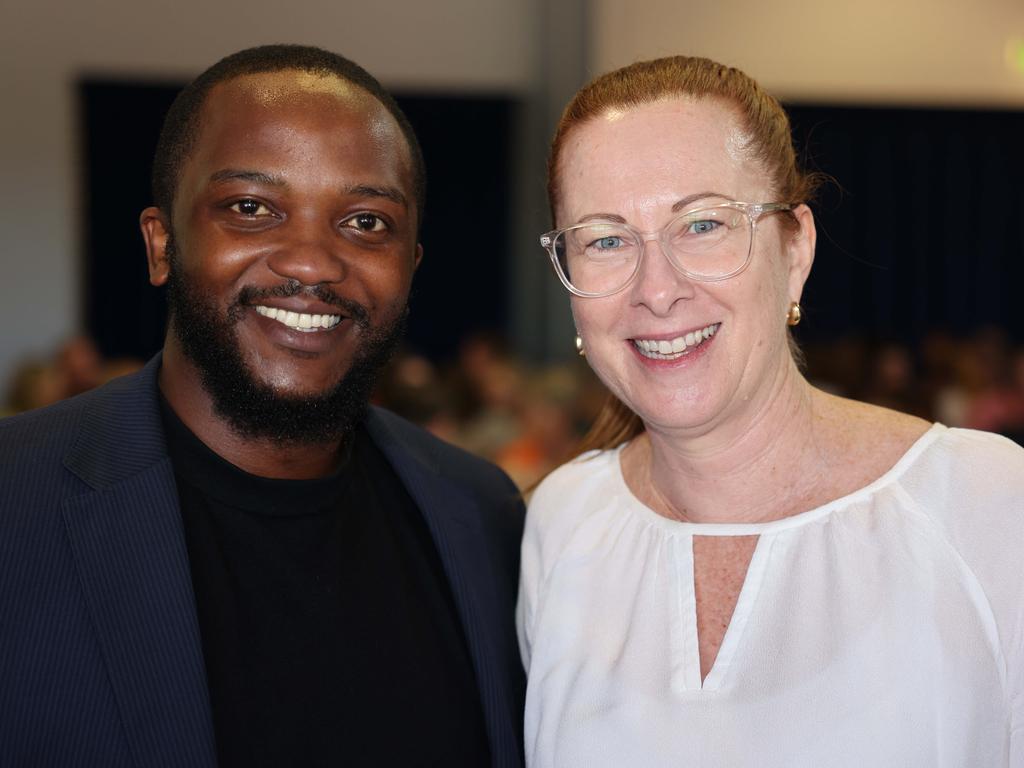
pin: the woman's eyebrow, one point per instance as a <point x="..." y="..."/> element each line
<point x="602" y="217"/>
<point x="679" y="205"/>
<point x="687" y="201"/>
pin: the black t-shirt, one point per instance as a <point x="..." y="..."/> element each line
<point x="329" y="630"/>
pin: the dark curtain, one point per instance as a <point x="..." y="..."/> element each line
<point x="923" y="227"/>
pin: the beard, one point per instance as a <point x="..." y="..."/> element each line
<point x="256" y="410"/>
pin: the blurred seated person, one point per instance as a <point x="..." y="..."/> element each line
<point x="1000" y="406"/>
<point x="546" y="427"/>
<point x="892" y="382"/>
<point x="34" y="384"/>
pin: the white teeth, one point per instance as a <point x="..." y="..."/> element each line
<point x="299" y="321"/>
<point x="662" y="349"/>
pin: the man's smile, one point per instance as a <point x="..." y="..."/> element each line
<point x="299" y="321"/>
<point x="309" y="327"/>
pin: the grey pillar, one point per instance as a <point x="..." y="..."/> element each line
<point x="542" y="330"/>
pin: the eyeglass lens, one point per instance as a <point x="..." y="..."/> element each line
<point x="601" y="257"/>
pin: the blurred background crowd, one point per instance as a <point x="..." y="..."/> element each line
<point x="530" y="418"/>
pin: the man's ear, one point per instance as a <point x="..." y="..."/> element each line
<point x="800" y="250"/>
<point x="156" y="231"/>
<point x="418" y="257"/>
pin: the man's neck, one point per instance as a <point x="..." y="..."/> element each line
<point x="180" y="383"/>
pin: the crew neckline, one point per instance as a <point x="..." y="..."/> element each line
<point x="648" y="515"/>
<point x="232" y="486"/>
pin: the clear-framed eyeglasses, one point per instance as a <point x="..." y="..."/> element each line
<point x="599" y="258"/>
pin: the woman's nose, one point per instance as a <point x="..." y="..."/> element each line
<point x="658" y="284"/>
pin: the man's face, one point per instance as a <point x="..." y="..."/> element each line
<point x="294" y="242"/>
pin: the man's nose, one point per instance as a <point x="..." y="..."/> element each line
<point x="658" y="284"/>
<point x="312" y="252"/>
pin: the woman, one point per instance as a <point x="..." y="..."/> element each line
<point x="747" y="571"/>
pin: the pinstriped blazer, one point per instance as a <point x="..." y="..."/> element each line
<point x="100" y="655"/>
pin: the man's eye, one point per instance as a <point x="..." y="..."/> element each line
<point x="250" y="208"/>
<point x="366" y="222"/>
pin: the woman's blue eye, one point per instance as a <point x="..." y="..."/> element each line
<point x="608" y="242"/>
<point x="703" y="227"/>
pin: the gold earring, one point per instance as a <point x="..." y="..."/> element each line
<point x="794" y="314"/>
<point x="579" y="346"/>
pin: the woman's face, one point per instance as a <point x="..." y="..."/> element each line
<point x="639" y="164"/>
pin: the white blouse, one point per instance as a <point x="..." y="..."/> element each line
<point x="885" y="628"/>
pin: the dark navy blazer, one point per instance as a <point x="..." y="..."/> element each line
<point x="100" y="655"/>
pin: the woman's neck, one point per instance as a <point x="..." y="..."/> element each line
<point x="759" y="464"/>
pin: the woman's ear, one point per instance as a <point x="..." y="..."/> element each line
<point x="800" y="251"/>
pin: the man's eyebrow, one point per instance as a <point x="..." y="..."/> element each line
<point x="257" y="177"/>
<point x="388" y="193"/>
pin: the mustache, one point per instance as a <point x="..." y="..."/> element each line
<point x="250" y="295"/>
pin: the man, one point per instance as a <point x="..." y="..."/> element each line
<point x="228" y="558"/>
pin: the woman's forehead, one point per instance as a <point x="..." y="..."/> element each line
<point x="680" y="126"/>
<point x="653" y="155"/>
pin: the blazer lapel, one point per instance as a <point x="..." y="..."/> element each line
<point x="453" y="518"/>
<point x="129" y="548"/>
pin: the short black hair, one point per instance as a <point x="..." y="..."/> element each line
<point x="181" y="125"/>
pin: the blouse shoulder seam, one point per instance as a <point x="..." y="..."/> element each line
<point x="935" y="529"/>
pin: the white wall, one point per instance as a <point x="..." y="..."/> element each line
<point x="45" y="45"/>
<point x="941" y="52"/>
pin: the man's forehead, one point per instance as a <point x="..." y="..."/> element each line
<point x="300" y="93"/>
<point x="274" y="89"/>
